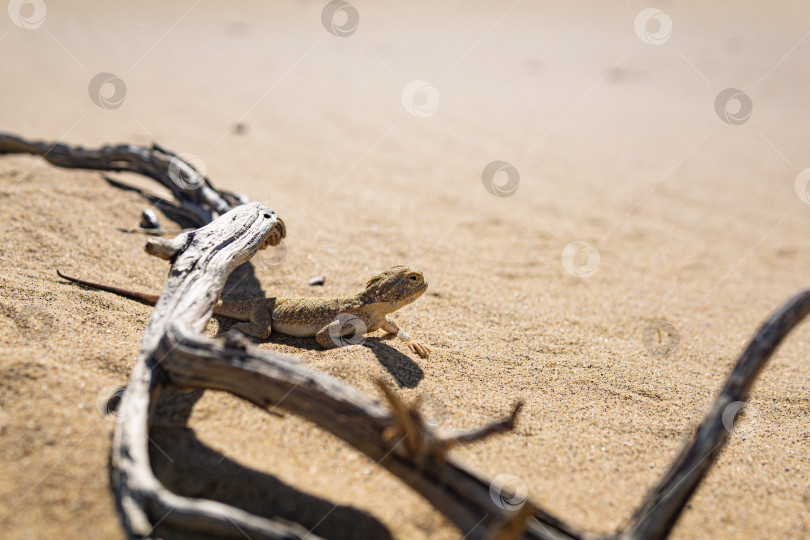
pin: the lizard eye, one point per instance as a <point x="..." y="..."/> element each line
<point x="413" y="277"/>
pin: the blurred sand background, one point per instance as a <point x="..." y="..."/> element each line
<point x="617" y="143"/>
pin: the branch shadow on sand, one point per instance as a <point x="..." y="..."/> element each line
<point x="189" y="467"/>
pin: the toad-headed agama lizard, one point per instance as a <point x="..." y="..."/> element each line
<point x="320" y="317"/>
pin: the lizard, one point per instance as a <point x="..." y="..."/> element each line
<point x="332" y="321"/>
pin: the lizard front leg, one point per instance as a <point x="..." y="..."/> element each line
<point x="260" y="325"/>
<point x="416" y="346"/>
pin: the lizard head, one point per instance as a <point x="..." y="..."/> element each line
<point x="397" y="286"/>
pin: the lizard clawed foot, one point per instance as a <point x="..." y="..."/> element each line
<point x="420" y="348"/>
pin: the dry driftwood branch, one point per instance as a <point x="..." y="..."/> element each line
<point x="193" y="190"/>
<point x="174" y="352"/>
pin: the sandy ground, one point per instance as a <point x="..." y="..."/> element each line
<point x="617" y="143"/>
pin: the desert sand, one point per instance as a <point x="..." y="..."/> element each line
<point x="690" y="212"/>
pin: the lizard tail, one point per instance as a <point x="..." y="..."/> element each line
<point x="144" y="298"/>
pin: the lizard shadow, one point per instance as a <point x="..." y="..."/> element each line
<point x="402" y="368"/>
<point x="191" y="468"/>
